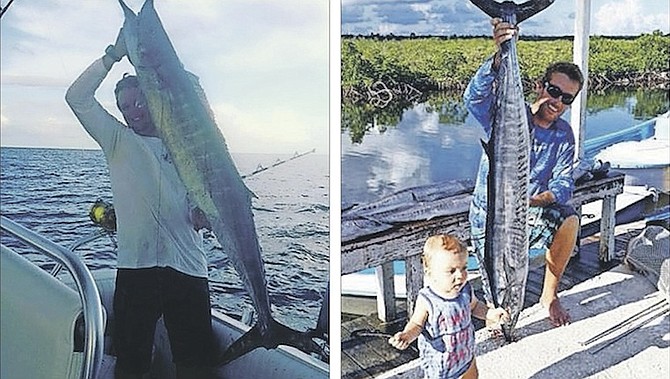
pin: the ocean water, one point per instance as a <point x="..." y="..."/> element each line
<point x="51" y="191"/>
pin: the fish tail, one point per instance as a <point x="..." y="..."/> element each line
<point x="507" y="333"/>
<point x="276" y="334"/>
<point x="522" y="11"/>
<point x="126" y="10"/>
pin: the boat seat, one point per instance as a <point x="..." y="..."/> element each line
<point x="38" y="318"/>
<point x="105" y="281"/>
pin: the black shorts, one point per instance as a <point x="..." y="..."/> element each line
<point x="141" y="297"/>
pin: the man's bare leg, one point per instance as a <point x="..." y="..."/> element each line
<point x="556" y="259"/>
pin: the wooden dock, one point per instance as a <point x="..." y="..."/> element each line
<point x="366" y="353"/>
<point x="395" y="228"/>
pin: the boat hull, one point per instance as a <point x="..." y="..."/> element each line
<point x="281" y="362"/>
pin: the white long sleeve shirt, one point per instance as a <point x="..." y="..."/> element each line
<point x="152" y="209"/>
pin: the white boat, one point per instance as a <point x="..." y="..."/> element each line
<point x="53" y="329"/>
<point x="365" y="283"/>
<point x="645" y="161"/>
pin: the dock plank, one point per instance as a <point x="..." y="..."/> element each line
<point x="370" y="355"/>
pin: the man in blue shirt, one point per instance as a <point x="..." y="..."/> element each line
<point x="553" y="223"/>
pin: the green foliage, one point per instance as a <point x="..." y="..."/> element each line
<point x="648" y="103"/>
<point x="656" y="48"/>
<point x="358" y="70"/>
<point x="437" y="63"/>
<point x="359" y="119"/>
<point x="432" y="63"/>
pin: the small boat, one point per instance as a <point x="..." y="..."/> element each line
<point x="638" y="132"/>
<point x="644" y="160"/>
<point x="53" y="328"/>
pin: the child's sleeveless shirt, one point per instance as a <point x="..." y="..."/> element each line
<point x="446" y="344"/>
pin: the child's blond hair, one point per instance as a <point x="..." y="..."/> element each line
<point x="441" y="243"/>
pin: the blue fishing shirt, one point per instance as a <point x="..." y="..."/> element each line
<point x="551" y="155"/>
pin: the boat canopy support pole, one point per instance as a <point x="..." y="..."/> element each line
<point x="580" y="54"/>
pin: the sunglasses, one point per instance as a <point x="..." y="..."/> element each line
<point x="556" y="92"/>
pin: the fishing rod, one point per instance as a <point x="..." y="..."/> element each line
<point x="664" y="310"/>
<point x="629" y="320"/>
<point x="362" y="333"/>
<point x="102" y="213"/>
<point x="2" y="12"/>
<point x="260" y="168"/>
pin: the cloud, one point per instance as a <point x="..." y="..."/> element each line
<point x="460" y="17"/>
<point x="352" y="14"/>
<point x="627" y="17"/>
<point x="400" y="13"/>
<point x="34" y="81"/>
<point x="262" y="57"/>
<point x="282" y="128"/>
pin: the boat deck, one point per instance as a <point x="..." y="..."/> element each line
<point x="366" y="353"/>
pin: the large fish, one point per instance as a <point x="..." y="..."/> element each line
<point x="198" y="150"/>
<point x="508" y="149"/>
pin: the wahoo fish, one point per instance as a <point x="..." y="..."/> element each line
<point x="505" y="258"/>
<point x="186" y="126"/>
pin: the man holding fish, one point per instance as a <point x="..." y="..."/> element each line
<point x="162" y="268"/>
<point x="552" y="222"/>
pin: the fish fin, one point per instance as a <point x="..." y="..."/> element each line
<point x="277" y="334"/>
<point x="149" y="5"/>
<point x="252" y="194"/>
<point x="486" y="148"/>
<point x="129" y="31"/>
<point x="249" y="341"/>
<point x="521" y="11"/>
<point x="127" y="12"/>
<point x="490" y="7"/>
<point x="531" y="8"/>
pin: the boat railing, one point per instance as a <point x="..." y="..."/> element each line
<point x="85" y="286"/>
<point x="78" y="243"/>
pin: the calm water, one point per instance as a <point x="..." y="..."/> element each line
<point x="51" y="191"/>
<point x="384" y="151"/>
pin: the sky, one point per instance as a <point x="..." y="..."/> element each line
<point x="263" y="65"/>
<point x="460" y="17"/>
